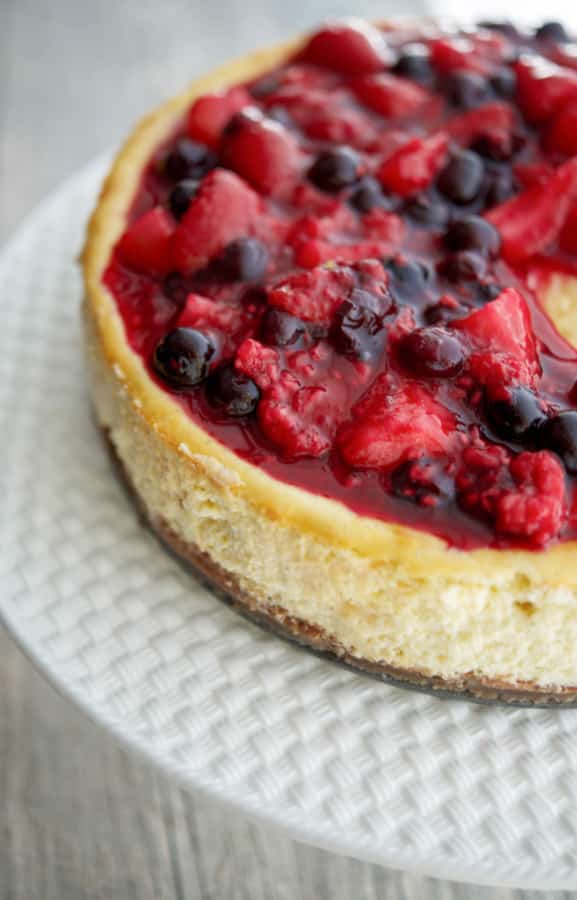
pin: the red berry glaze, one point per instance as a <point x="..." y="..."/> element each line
<point x="332" y="268"/>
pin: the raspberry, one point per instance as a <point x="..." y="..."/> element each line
<point x="536" y="509"/>
<point x="314" y="295"/>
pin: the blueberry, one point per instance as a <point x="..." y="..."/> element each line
<point x="516" y="416"/>
<point x="265" y="85"/>
<point x="464" y="266"/>
<point x="495" y="148"/>
<point x="440" y="314"/>
<point x="505" y="28"/>
<point x="281" y="115"/>
<point x="485" y="291"/>
<point x="415" y="63"/>
<point x="473" y="233"/>
<point x="188" y="159"/>
<point x="356" y="331"/>
<point x="500" y="186"/>
<point x="465" y="90"/>
<point x="335" y="169"/>
<point x="421" y="481"/>
<point x="279" y="329"/>
<point x="408" y="280"/>
<point x="504" y="82"/>
<point x="181" y="195"/>
<point x="552" y="31"/>
<point x="245" y="259"/>
<point x="559" y="434"/>
<point x="231" y="391"/>
<point x="432" y="352"/>
<point x="368" y="194"/>
<point x="461" y="179"/>
<point x="183" y="357"/>
<point x="427" y="212"/>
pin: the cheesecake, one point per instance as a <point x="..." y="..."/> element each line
<point x="330" y="329"/>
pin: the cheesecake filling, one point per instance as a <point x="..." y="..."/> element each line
<point x="335" y="270"/>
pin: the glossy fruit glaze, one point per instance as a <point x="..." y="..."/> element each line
<point x="331" y="269"/>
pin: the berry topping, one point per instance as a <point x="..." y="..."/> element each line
<point x="245" y="259"/>
<point x="181" y="195"/>
<point x="473" y="233"/>
<point x="432" y="353"/>
<point x="183" y="357"/>
<point x="232" y="391"/>
<point x="462" y="178"/>
<point x="335" y="169"/>
<point x="338" y="261"/>
<point x="188" y="159"/>
<point x="353" y="47"/>
<point x="224" y="209"/>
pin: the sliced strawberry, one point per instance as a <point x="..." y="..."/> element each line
<point x="562" y="133"/>
<point x="451" y="53"/>
<point x="351" y="46"/>
<point x="568" y="236"/>
<point x="414" y="166"/>
<point x="502" y="334"/>
<point x="313" y="295"/>
<point x="492" y="120"/>
<point x="389" y="95"/>
<point x="388" y="428"/>
<point x="536" y="508"/>
<point x="225" y="208"/>
<point x="311" y="254"/>
<point x="326" y="115"/>
<point x="543" y="87"/>
<point x="530" y="174"/>
<point x="531" y="222"/>
<point x="263" y="152"/>
<point x="210" y="113"/>
<point x="145" y="245"/>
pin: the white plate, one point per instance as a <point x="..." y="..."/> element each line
<point x="443" y="788"/>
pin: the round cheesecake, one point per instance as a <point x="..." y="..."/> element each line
<point x="331" y="318"/>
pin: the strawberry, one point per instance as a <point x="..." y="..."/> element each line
<point x="350" y="46"/>
<point x="263" y="152"/>
<point x="531" y="222"/>
<point x="568" y="236"/>
<point x="562" y="133"/>
<point x="530" y="174"/>
<point x="225" y="208"/>
<point x="310" y="254"/>
<point x="451" y="53"/>
<point x="145" y="245"/>
<point x="313" y="295"/>
<point x="326" y="115"/>
<point x="389" y="426"/>
<point x="210" y="113"/>
<point x="389" y="95"/>
<point x="502" y="336"/>
<point x="543" y="87"/>
<point x="493" y="120"/>
<point x="415" y="165"/>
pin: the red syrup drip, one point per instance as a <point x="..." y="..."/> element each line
<point x="149" y="310"/>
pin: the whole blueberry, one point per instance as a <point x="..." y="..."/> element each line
<point x="245" y="259"/>
<point x="368" y="194"/>
<point x="279" y="329"/>
<point x="408" y="280"/>
<point x="500" y="186"/>
<point x="183" y="357"/>
<point x="281" y="115"/>
<point x="552" y="31"/>
<point x="432" y="352"/>
<point x="504" y="82"/>
<point x="181" y="196"/>
<point x="414" y="62"/>
<point x="462" y="178"/>
<point x="516" y="415"/>
<point x="231" y="391"/>
<point x="464" y="266"/>
<point x="485" y="291"/>
<point x="473" y="233"/>
<point x="465" y="89"/>
<point x="188" y="159"/>
<point x="335" y="169"/>
<point x="559" y="434"/>
<point x="505" y="28"/>
<point x="426" y="211"/>
<point x="356" y="331"/>
<point x="496" y="148"/>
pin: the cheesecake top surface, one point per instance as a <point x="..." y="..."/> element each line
<point x="336" y="269"/>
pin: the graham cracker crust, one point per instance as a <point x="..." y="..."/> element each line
<point x="278" y="621"/>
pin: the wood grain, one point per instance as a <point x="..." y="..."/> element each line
<point x="80" y="818"/>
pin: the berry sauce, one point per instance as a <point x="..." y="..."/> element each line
<point x="330" y="268"/>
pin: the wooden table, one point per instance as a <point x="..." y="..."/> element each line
<point x="80" y="818"/>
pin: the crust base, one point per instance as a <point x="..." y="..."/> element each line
<point x="311" y="637"/>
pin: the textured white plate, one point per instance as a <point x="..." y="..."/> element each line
<point x="440" y="787"/>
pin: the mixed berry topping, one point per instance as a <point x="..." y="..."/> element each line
<point x="332" y="268"/>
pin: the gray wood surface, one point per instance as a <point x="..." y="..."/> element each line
<point x="80" y="818"/>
